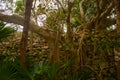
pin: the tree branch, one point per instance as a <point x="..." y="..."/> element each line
<point x="98" y="8"/>
<point x="82" y="11"/>
<point x="69" y="27"/>
<point x="108" y="9"/>
<point x="17" y="19"/>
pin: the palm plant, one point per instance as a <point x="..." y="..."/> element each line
<point x="45" y="71"/>
<point x="13" y="70"/>
<point x="7" y="71"/>
<point x="5" y="31"/>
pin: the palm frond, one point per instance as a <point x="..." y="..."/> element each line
<point x="5" y="31"/>
<point x="7" y="71"/>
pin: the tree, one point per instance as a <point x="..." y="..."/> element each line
<point x="23" y="43"/>
<point x="117" y="7"/>
<point x="89" y="35"/>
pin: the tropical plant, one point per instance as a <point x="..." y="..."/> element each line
<point x="14" y="70"/>
<point x="45" y="71"/>
<point x="20" y="8"/>
<point x="7" y="71"/>
<point x="5" y="31"/>
<point x="76" y="28"/>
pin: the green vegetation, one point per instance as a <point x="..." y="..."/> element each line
<point x="5" y="31"/>
<point x="78" y="40"/>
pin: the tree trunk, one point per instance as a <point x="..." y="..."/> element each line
<point x="117" y="7"/>
<point x="23" y="43"/>
<point x="54" y="52"/>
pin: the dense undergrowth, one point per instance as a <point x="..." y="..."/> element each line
<point x="98" y="60"/>
<point x="14" y="70"/>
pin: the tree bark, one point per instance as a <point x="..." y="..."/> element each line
<point x="23" y="42"/>
<point x="117" y="7"/>
<point x="17" y="19"/>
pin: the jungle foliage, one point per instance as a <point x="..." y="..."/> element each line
<point x="80" y="40"/>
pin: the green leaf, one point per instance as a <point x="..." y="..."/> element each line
<point x="7" y="71"/>
<point x="5" y="31"/>
<point x="19" y="6"/>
